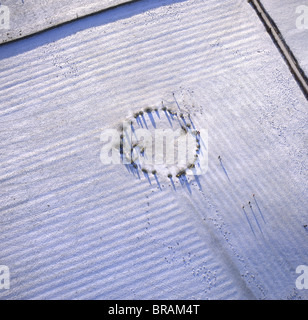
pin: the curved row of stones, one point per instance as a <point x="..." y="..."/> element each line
<point x="187" y="128"/>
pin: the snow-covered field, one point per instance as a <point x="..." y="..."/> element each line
<point x="291" y="17"/>
<point x="73" y="228"/>
<point x="25" y="17"/>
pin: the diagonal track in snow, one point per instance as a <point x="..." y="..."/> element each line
<point x="32" y="16"/>
<point x="285" y="50"/>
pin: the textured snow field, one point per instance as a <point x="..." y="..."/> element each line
<point x="73" y="228"/>
<point x="31" y="16"/>
<point x="291" y="18"/>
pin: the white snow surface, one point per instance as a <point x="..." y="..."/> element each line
<point x="291" y="17"/>
<point x="32" y="16"/>
<point x="73" y="228"/>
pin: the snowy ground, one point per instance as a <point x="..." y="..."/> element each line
<point x="27" y="17"/>
<point x="291" y="17"/>
<point x="73" y="228"/>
